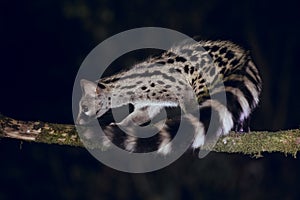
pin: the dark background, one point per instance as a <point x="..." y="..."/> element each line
<point x="42" y="46"/>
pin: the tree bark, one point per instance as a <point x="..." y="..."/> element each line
<point x="253" y="143"/>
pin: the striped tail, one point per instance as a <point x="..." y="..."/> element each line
<point x="193" y="129"/>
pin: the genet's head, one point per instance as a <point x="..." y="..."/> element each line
<point x="93" y="103"/>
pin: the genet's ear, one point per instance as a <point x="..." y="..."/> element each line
<point x="88" y="87"/>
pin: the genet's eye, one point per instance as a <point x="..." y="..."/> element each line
<point x="85" y="108"/>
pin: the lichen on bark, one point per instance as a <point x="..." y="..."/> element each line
<point x="254" y="143"/>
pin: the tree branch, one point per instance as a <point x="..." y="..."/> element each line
<point x="254" y="143"/>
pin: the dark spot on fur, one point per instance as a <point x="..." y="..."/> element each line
<point x="180" y="59"/>
<point x="193" y="81"/>
<point x="100" y="85"/>
<point x="170" y="61"/>
<point x="139" y="82"/>
<point x="165" y="76"/>
<point x="192" y="70"/>
<point x="234" y="62"/>
<point x="202" y="63"/>
<point x="206" y="47"/>
<point x="219" y="59"/>
<point x="212" y="71"/>
<point x="186" y="68"/>
<point x="199" y="48"/>
<point x="168" y="86"/>
<point x="200" y="93"/>
<point x="160" y="82"/>
<point x="215" y="48"/>
<point x="229" y="55"/>
<point x="153" y="94"/>
<point x="129" y="92"/>
<point x="187" y="51"/>
<point x="147" y="90"/>
<point x="180" y="82"/>
<point x="178" y="70"/>
<point x="223" y="71"/>
<point x="161" y="62"/>
<point x="171" y="70"/>
<point x="144" y="88"/>
<point x="194" y="58"/>
<point x="223" y="50"/>
<point x="222" y="63"/>
<point x="152" y="84"/>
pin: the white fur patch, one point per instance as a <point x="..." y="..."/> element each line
<point x="106" y="142"/>
<point x="130" y="143"/>
<point x="151" y="103"/>
<point x="165" y="146"/>
<point x="153" y="111"/>
<point x="224" y="115"/>
<point x="199" y="137"/>
<point x="88" y="113"/>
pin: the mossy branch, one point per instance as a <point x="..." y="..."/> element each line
<point x="254" y="143"/>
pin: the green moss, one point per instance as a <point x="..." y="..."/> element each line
<point x="254" y="143"/>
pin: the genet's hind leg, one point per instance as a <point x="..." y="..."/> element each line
<point x="243" y="127"/>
